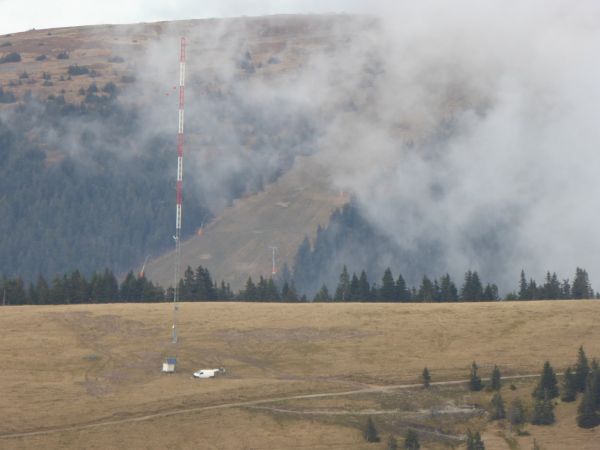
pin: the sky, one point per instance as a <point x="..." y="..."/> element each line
<point x="19" y="15"/>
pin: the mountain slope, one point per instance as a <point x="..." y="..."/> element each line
<point x="236" y="244"/>
<point x="245" y="126"/>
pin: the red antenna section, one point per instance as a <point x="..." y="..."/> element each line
<point x="179" y="184"/>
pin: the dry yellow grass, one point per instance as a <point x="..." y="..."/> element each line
<point x="71" y="365"/>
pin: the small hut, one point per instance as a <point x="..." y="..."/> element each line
<point x="169" y="365"/>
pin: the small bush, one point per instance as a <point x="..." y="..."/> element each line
<point x="24" y="75"/>
<point x="62" y="55"/>
<point x="370" y="432"/>
<point x="6" y="44"/>
<point x="116" y="59"/>
<point x="127" y="79"/>
<point x="41" y="58"/>
<point x="10" y="58"/>
<point x="7" y="96"/>
<point x="47" y="83"/>
<point x="75" y="70"/>
<point x="110" y="88"/>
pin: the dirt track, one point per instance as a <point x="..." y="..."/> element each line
<point x="250" y="403"/>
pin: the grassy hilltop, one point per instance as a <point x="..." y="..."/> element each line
<point x="72" y="366"/>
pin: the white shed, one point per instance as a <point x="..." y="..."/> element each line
<point x="169" y="365"/>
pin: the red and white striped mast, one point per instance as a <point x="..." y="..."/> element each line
<point x="180" y="141"/>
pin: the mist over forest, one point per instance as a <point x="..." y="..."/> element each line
<point x="464" y="133"/>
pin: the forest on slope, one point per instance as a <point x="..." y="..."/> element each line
<point x="101" y="207"/>
<point x="87" y="186"/>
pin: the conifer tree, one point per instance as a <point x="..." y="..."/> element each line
<point x="249" y="293"/>
<point x="490" y="293"/>
<point x="569" y="390"/>
<point x="497" y="404"/>
<point x="551" y="289"/>
<point x="582" y="369"/>
<point x="586" y="412"/>
<point x="426" y="291"/>
<point x="411" y="440"/>
<point x="474" y="379"/>
<point x="272" y="291"/>
<point x="42" y="291"/>
<point x="392" y="443"/>
<point x="288" y="292"/>
<point x="548" y="385"/>
<point x="448" y="291"/>
<point x="565" y="290"/>
<point x="495" y="379"/>
<point x="364" y="288"/>
<point x="343" y="287"/>
<point x="354" y="293"/>
<point x="472" y="289"/>
<point x="474" y="441"/>
<point x="402" y="290"/>
<point x="323" y="295"/>
<point x="370" y="432"/>
<point x="188" y="289"/>
<point x="594" y="377"/>
<point x="581" y="285"/>
<point x="516" y="412"/>
<point x="426" y="378"/>
<point x="523" y="287"/>
<point x="388" y="287"/>
<point x="543" y="411"/>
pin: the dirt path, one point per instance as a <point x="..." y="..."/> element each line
<point x="249" y="403"/>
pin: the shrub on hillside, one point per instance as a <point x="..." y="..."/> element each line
<point x="11" y="57"/>
<point x="75" y="70"/>
<point x="475" y="383"/>
<point x="370" y="432"/>
<point x="7" y="96"/>
<point x="62" y="55"/>
<point x="128" y="79"/>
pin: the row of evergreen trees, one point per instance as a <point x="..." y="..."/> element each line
<point x="553" y="289"/>
<point x="583" y="377"/>
<point x="102" y="287"/>
<point x="358" y="288"/>
<point x="198" y="285"/>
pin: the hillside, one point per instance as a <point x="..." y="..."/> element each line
<point x="89" y="376"/>
<point x="88" y="114"/>
<point x="236" y="244"/>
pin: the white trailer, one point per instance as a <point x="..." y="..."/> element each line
<point x="208" y="373"/>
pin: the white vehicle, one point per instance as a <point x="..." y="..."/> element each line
<point x="208" y="373"/>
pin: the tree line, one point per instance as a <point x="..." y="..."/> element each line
<point x="75" y="288"/>
<point x="583" y="378"/>
<point x="198" y="285"/>
<point x="444" y="289"/>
